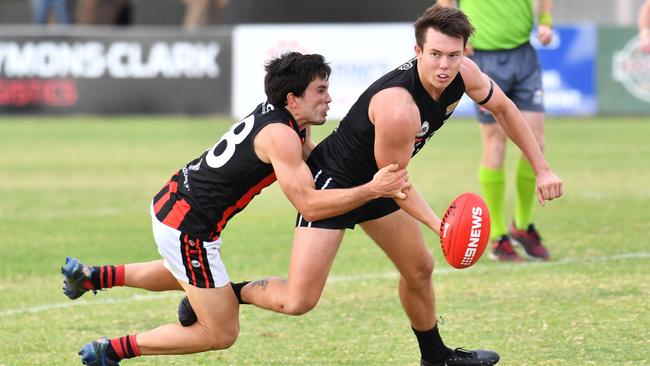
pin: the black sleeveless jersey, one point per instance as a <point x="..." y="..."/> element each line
<point x="347" y="154"/>
<point x="200" y="198"/>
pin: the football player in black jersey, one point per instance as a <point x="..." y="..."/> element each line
<point x="391" y="122"/>
<point x="191" y="210"/>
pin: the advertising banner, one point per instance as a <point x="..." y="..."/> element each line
<point x="358" y="55"/>
<point x="114" y="71"/>
<point x="623" y="72"/>
<point x="568" y="69"/>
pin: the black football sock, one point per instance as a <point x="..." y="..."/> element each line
<point x="236" y="287"/>
<point x="432" y="347"/>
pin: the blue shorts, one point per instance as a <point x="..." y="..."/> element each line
<point x="518" y="73"/>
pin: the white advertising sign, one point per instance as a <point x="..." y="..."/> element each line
<point x="358" y="55"/>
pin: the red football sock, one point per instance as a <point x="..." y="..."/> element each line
<point x="106" y="277"/>
<point x="123" y="347"/>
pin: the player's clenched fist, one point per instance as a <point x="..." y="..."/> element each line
<point x="549" y="186"/>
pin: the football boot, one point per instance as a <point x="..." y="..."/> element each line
<point x="463" y="357"/>
<point x="77" y="278"/>
<point x="94" y="353"/>
<point x="530" y="240"/>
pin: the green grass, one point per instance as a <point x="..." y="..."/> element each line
<point x="82" y="186"/>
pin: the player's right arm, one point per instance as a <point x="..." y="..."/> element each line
<point x="280" y="146"/>
<point x="397" y="122"/>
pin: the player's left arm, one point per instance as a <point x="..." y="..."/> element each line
<point x="484" y="91"/>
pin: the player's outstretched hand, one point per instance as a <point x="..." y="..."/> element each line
<point x="549" y="187"/>
<point x="391" y="182"/>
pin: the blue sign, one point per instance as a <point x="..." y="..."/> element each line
<point x="568" y="72"/>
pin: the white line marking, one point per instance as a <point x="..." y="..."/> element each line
<point x="70" y="304"/>
<point x="505" y="266"/>
<point x="332" y="279"/>
<point x="67" y="213"/>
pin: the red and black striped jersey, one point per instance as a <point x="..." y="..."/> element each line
<point x="201" y="197"/>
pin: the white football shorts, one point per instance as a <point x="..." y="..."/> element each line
<point x="189" y="259"/>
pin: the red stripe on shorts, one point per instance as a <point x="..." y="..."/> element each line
<point x="205" y="274"/>
<point x="189" y="259"/>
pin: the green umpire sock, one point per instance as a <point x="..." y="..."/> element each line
<point x="525" y="194"/>
<point x="493" y="183"/>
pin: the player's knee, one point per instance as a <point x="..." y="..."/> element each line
<point x="425" y="269"/>
<point x="222" y="338"/>
<point x="420" y="272"/>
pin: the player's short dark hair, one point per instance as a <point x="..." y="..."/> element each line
<point x="446" y="20"/>
<point x="291" y="73"/>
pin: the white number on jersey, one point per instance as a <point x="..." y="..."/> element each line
<point x="231" y="139"/>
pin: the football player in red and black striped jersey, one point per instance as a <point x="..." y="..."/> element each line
<point x="390" y="122"/>
<point x="192" y="209"/>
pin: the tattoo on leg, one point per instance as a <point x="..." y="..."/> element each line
<point x="261" y="283"/>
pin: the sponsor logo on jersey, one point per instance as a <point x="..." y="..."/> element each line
<point x="195" y="166"/>
<point x="267" y="107"/>
<point x="406" y="66"/>
<point x="195" y="263"/>
<point x="452" y="106"/>
<point x="186" y="178"/>
<point x="186" y="173"/>
<point x="424" y="129"/>
<point x="474" y="236"/>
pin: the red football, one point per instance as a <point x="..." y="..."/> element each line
<point x="465" y="230"/>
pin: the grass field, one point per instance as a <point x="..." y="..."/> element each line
<point x="82" y="187"/>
